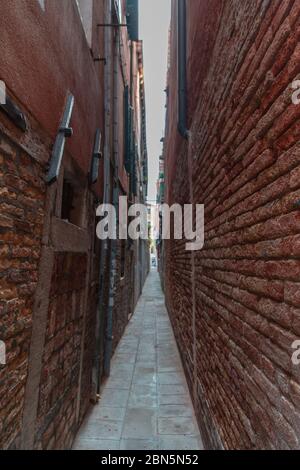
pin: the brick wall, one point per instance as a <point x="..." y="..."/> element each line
<point x="61" y="386"/>
<point x="123" y="298"/>
<point x="244" y="153"/>
<point x="56" y="420"/>
<point x="22" y="197"/>
<point x="49" y="258"/>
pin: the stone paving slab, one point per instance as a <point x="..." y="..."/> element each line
<point x="145" y="404"/>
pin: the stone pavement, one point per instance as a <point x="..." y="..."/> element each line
<point x="145" y="403"/>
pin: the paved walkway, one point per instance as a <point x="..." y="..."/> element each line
<point x="145" y="404"/>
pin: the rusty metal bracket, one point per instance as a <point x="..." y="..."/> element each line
<point x="100" y="59"/>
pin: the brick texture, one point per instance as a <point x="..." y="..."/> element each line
<point x="123" y="297"/>
<point x="61" y="360"/>
<point x="51" y="317"/>
<point x="65" y="386"/>
<point x="244" y="153"/>
<point x="22" y="196"/>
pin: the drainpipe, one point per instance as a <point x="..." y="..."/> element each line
<point x="114" y="243"/>
<point x="106" y="192"/>
<point x="182" y="62"/>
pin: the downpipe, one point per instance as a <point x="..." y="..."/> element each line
<point x="182" y="63"/>
<point x="106" y="197"/>
<point x="116" y="191"/>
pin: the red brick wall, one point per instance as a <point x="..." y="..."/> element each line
<point x="123" y="296"/>
<point x="49" y="268"/>
<point x="56" y="420"/>
<point x="22" y="196"/>
<point x="54" y="41"/>
<point x="55" y="60"/>
<point x="71" y="315"/>
<point x="245" y="157"/>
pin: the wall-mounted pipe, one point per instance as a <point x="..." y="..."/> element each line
<point x="182" y="63"/>
<point x="106" y="197"/>
<point x="116" y="190"/>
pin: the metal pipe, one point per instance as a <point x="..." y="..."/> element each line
<point x="114" y="243"/>
<point x="106" y="197"/>
<point x="182" y="79"/>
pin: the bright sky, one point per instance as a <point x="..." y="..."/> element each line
<point x="154" y="27"/>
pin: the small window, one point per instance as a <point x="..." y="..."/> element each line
<point x="85" y="8"/>
<point x="72" y="209"/>
<point x="67" y="201"/>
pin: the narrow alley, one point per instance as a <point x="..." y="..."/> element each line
<point x="145" y="404"/>
<point x="149" y="225"/>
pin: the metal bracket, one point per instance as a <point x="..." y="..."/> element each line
<point x="97" y="154"/>
<point x="100" y="59"/>
<point x="112" y="25"/>
<point x="64" y="132"/>
<point x="14" y="113"/>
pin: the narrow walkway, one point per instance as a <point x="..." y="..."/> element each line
<point x="145" y="404"/>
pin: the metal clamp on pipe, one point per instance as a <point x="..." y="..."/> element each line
<point x="64" y="132"/>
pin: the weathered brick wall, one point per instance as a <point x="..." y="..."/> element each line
<point x="123" y="298"/>
<point x="244" y="153"/>
<point x="22" y="196"/>
<point x="128" y="288"/>
<point x="71" y="314"/>
<point x="56" y="420"/>
<point x="49" y="267"/>
<point x="88" y="352"/>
